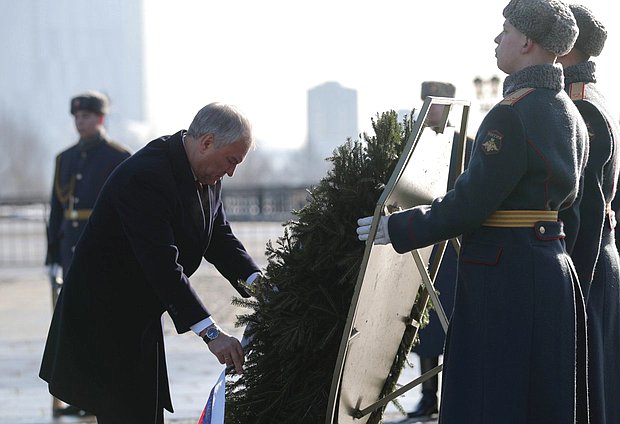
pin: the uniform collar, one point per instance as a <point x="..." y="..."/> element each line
<point x="89" y="143"/>
<point x="536" y="76"/>
<point x="581" y="72"/>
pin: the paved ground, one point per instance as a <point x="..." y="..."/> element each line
<point x="25" y="310"/>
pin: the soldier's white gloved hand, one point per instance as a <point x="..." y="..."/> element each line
<point x="53" y="270"/>
<point x="382" y="236"/>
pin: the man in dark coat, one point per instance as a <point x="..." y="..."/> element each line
<point x="510" y="353"/>
<point x="81" y="171"/>
<point x="432" y="336"/>
<point x="595" y="254"/>
<point x="159" y="214"/>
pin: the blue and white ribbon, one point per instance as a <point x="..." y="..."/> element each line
<point x="213" y="413"/>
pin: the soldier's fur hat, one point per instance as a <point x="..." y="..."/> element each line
<point x="548" y="22"/>
<point x="93" y="101"/>
<point x="437" y="89"/>
<point x="592" y="33"/>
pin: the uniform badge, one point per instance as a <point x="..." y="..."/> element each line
<point x="492" y="143"/>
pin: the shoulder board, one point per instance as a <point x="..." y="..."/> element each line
<point x="118" y="147"/>
<point x="577" y="91"/>
<point x="515" y="96"/>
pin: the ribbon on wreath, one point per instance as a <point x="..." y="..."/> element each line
<point x="213" y="412"/>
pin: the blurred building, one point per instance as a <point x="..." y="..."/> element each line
<point x="51" y="51"/>
<point x="332" y="118"/>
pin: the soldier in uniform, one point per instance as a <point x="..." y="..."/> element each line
<point x="432" y="337"/>
<point x="510" y="353"/>
<point x="594" y="254"/>
<point x="80" y="173"/>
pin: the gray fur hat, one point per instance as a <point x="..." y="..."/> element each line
<point x="437" y="89"/>
<point x="548" y="22"/>
<point x="93" y="101"/>
<point x="592" y="33"/>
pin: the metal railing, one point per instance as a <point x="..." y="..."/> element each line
<point x="259" y="213"/>
<point x="22" y="232"/>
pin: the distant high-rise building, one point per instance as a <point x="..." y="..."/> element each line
<point x="53" y="50"/>
<point x="332" y="118"/>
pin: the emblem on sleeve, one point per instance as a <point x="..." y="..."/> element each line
<point x="492" y="143"/>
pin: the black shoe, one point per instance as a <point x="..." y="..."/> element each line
<point x="426" y="407"/>
<point x="70" y="410"/>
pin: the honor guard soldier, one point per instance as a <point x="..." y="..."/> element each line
<point x="432" y="336"/>
<point x="80" y="173"/>
<point x="510" y="353"/>
<point x="595" y="254"/>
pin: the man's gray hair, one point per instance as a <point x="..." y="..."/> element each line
<point x="227" y="124"/>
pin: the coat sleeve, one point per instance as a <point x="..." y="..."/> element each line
<point x="498" y="162"/>
<point x="54" y="222"/>
<point x="583" y="237"/>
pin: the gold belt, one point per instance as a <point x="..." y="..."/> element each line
<point x="519" y="218"/>
<point x="77" y="214"/>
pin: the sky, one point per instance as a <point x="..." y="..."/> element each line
<point x="263" y="56"/>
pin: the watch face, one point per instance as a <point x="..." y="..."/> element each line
<point x="212" y="332"/>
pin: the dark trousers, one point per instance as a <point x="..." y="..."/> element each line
<point x="430" y="386"/>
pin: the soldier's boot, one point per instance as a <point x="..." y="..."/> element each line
<point x="427" y="405"/>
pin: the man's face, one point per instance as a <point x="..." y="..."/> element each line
<point x="87" y="123"/>
<point x="509" y="44"/>
<point x="215" y="162"/>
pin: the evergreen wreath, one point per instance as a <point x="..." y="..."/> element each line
<point x="302" y="302"/>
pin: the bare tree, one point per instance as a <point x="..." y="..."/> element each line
<point x="24" y="157"/>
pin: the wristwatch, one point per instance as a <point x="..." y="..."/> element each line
<point x="212" y="333"/>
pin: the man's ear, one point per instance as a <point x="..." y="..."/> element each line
<point x="206" y="140"/>
<point x="527" y="45"/>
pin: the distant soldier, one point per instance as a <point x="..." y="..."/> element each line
<point x="80" y="173"/>
<point x="595" y="254"/>
<point x="432" y="337"/>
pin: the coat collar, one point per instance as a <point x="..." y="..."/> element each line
<point x="186" y="182"/>
<point x="180" y="163"/>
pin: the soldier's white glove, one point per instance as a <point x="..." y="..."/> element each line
<point x="53" y="270"/>
<point x="382" y="236"/>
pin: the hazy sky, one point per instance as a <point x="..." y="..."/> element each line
<point x="263" y="56"/>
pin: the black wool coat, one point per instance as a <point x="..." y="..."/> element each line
<point x="147" y="234"/>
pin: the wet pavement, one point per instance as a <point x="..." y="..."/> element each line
<point x="25" y="311"/>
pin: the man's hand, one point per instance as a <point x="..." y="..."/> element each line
<point x="382" y="236"/>
<point x="228" y="350"/>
